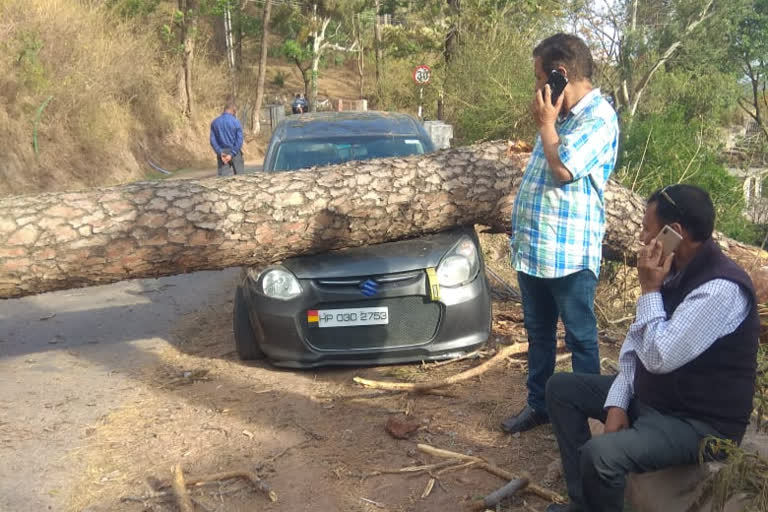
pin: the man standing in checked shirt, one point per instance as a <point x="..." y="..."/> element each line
<point x="686" y="369"/>
<point x="558" y="219"/>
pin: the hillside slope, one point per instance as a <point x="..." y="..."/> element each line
<point x="87" y="98"/>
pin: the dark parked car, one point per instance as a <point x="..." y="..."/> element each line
<point x="412" y="300"/>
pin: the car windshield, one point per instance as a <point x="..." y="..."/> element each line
<point x="299" y="154"/>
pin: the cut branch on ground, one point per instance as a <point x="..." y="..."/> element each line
<point x="509" y="350"/>
<point x="546" y="494"/>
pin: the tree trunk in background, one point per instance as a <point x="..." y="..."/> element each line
<point x="152" y="229"/>
<point x="452" y="37"/>
<point x="255" y="117"/>
<point x="305" y="75"/>
<point x="377" y="48"/>
<point x="360" y="54"/>
<point x="318" y="40"/>
<point x="231" y="60"/>
<point x="188" y="29"/>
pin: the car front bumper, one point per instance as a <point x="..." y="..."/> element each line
<point x="419" y="328"/>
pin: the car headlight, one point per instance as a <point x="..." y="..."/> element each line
<point x="278" y="283"/>
<point x="459" y="265"/>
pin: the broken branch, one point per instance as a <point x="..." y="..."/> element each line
<point x="471" y="355"/>
<point x="457" y="467"/>
<point x="509" y="350"/>
<point x="494" y="470"/>
<point x="413" y="469"/>
<point x="180" y="490"/>
<point x="257" y="482"/>
<point x="428" y="488"/>
<point x="439" y="452"/>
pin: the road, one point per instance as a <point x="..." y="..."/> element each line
<point x="67" y="359"/>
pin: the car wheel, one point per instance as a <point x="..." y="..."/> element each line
<point x="245" y="339"/>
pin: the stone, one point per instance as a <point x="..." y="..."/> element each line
<point x="401" y="428"/>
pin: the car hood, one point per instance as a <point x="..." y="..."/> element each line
<point x="386" y="258"/>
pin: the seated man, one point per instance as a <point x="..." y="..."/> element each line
<point x="687" y="366"/>
<point x="299" y="105"/>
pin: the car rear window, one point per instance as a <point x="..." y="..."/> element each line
<point x="299" y="154"/>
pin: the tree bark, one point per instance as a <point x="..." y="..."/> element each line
<point x="255" y="115"/>
<point x="152" y="229"/>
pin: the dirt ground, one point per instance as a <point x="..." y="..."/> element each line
<point x="315" y="437"/>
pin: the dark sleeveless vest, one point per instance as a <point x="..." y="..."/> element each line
<point x="716" y="387"/>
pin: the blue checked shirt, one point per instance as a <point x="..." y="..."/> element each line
<point x="665" y="345"/>
<point x="558" y="228"/>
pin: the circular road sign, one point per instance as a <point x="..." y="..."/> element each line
<point x="422" y="74"/>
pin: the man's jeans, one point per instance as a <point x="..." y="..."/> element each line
<point x="572" y="298"/>
<point x="235" y="166"/>
<point x="595" y="468"/>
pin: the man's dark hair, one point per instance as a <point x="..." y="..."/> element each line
<point x="689" y="205"/>
<point x="567" y="51"/>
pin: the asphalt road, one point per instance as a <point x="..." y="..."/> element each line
<point x="66" y="361"/>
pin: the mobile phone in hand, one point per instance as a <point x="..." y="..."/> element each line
<point x="669" y="239"/>
<point x="557" y="82"/>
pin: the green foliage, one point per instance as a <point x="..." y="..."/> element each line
<point x="279" y="79"/>
<point x="489" y="83"/>
<point x="703" y="92"/>
<point x="665" y="148"/>
<point x="749" y="39"/>
<point x="401" y="42"/>
<point x="743" y="473"/>
<point x="489" y="88"/>
<point x="400" y="93"/>
<point x="32" y="69"/>
<point x="761" y="389"/>
<point x="133" y="8"/>
<point x="297" y="51"/>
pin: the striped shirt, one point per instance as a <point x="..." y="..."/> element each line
<point x="709" y="312"/>
<point x="558" y="228"/>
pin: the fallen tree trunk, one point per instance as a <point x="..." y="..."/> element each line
<point x="152" y="229"/>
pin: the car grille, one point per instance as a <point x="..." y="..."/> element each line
<point x="412" y="321"/>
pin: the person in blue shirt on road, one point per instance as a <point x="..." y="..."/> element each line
<point x="227" y="142"/>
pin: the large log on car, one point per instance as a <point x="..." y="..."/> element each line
<point x="151" y="229"/>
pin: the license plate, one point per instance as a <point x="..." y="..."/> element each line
<point x="349" y="317"/>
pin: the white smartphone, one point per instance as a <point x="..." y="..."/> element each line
<point x="669" y="239"/>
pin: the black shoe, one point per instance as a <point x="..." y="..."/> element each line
<point x="524" y="420"/>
